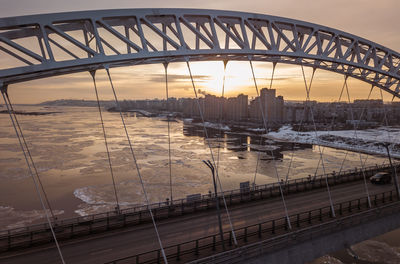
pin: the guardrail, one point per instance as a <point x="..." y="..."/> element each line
<point x="86" y="225"/>
<point x="280" y="241"/>
<point x="272" y="229"/>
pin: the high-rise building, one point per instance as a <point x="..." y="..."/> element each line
<point x="211" y="107"/>
<point x="272" y="107"/>
<point x="236" y="108"/>
<point x="279" y="109"/>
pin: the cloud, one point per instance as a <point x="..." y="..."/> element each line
<point x="350" y="16"/>
<point x="155" y="77"/>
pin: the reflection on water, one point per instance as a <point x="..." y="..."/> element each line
<point x="367" y="252"/>
<point x="69" y="152"/>
<point x="239" y="141"/>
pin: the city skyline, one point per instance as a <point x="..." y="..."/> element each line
<point x="281" y="128"/>
<point x="246" y="111"/>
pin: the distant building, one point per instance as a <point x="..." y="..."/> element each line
<point x="293" y="112"/>
<point x="217" y="108"/>
<point x="369" y="102"/>
<point x="236" y="108"/>
<point x="188" y="107"/>
<point x="279" y="109"/>
<point x="272" y="107"/>
<point x="212" y="108"/>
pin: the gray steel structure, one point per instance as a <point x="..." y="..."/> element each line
<point x="90" y="40"/>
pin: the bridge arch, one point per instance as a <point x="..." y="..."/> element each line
<point x="63" y="43"/>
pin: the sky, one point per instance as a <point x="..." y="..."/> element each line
<point x="373" y="20"/>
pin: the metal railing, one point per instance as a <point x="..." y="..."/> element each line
<point x="272" y="229"/>
<point x="298" y="236"/>
<point x="86" y="225"/>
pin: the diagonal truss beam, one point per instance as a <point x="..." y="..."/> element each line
<point x="283" y="40"/>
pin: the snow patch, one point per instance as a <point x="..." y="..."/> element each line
<point x="370" y="141"/>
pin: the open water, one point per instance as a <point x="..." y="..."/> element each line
<point x="69" y="153"/>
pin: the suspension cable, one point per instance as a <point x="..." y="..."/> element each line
<point x="387" y="125"/>
<point x="355" y="133"/>
<point x="261" y="138"/>
<point x="93" y="73"/>
<point x="385" y="116"/>
<point x="211" y="152"/>
<point x="331" y="128"/>
<point x="272" y="153"/>
<point x="257" y="162"/>
<point x="19" y="136"/>
<point x="298" y="134"/>
<point x="135" y="163"/>
<point x="220" y="115"/>
<point x="382" y="122"/>
<point x="308" y="89"/>
<point x="361" y="115"/>
<point x="30" y="158"/>
<point x="169" y="131"/>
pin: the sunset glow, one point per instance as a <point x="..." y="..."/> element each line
<point x="259" y="131"/>
<point x="208" y="76"/>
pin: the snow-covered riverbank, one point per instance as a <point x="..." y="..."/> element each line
<point x="371" y="141"/>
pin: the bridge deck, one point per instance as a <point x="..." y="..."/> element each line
<point x="86" y="226"/>
<point x="138" y="239"/>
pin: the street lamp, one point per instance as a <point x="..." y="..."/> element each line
<point x="211" y="166"/>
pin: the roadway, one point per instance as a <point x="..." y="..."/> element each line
<point x="129" y="241"/>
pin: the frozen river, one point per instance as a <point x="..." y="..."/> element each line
<point x="69" y="152"/>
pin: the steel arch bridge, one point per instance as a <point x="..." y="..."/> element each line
<point x="40" y="46"/>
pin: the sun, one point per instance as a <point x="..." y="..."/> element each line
<point x="209" y="77"/>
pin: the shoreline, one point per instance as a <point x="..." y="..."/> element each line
<point x="296" y="138"/>
<point x="368" y="146"/>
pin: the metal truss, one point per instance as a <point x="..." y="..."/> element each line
<point x="40" y="46"/>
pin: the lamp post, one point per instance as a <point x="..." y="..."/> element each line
<point x="221" y="234"/>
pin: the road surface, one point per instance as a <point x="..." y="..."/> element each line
<point x="130" y="241"/>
